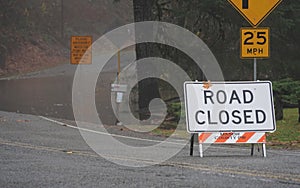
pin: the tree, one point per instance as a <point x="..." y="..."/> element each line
<point x="218" y="24"/>
<point x="147" y="89"/>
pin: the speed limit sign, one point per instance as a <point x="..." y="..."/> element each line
<point x="255" y="42"/>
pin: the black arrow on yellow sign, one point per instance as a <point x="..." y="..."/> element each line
<point x="245" y="4"/>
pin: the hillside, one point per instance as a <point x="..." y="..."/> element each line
<point x="35" y="34"/>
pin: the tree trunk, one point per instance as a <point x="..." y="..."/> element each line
<point x="299" y="111"/>
<point x="278" y="106"/>
<point x="148" y="88"/>
<point x="3" y="54"/>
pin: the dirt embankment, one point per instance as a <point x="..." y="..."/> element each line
<point x="36" y="35"/>
<point x="33" y="55"/>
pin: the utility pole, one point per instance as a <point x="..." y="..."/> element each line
<point x="62" y="19"/>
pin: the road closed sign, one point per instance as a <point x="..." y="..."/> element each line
<point x="229" y="106"/>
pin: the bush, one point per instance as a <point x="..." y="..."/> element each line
<point x="286" y="95"/>
<point x="174" y="110"/>
<point x="288" y="91"/>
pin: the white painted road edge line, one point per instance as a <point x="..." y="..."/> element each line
<point x="109" y="134"/>
<point x="158" y="141"/>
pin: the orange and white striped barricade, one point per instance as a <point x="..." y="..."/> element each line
<point x="231" y="138"/>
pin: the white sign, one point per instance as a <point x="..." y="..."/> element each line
<point x="119" y="97"/>
<point x="118" y="88"/>
<point x="229" y="106"/>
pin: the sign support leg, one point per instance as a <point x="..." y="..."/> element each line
<point x="201" y="150"/>
<point x="252" y="149"/>
<point x="264" y="150"/>
<point x="192" y="144"/>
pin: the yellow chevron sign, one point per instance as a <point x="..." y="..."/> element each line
<point x="255" y="11"/>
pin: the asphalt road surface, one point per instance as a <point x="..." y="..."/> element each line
<point x="35" y="152"/>
<point x="49" y="92"/>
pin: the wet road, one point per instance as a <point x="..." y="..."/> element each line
<point x="35" y="152"/>
<point x="51" y="96"/>
<point x="49" y="92"/>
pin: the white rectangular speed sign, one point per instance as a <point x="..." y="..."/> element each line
<point x="229" y="106"/>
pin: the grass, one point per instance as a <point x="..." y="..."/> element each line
<point x="181" y="133"/>
<point x="286" y="136"/>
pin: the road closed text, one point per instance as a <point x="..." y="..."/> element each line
<point x="235" y="117"/>
<point x="221" y="116"/>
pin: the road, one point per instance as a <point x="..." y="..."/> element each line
<point x="36" y="152"/>
<point x="39" y="151"/>
<point x="49" y="92"/>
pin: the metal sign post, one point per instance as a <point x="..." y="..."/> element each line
<point x="254" y="69"/>
<point x="264" y="151"/>
<point x="119" y="95"/>
<point x="254" y="78"/>
<point x="119" y="65"/>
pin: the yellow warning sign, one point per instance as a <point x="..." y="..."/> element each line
<point x="255" y="11"/>
<point x="81" y="53"/>
<point x="255" y="42"/>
